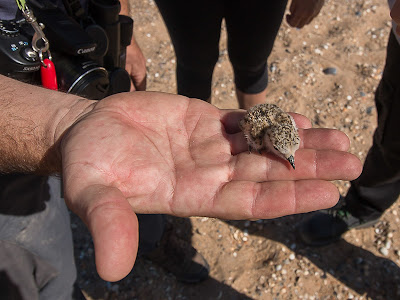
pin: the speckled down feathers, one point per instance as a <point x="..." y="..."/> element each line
<point x="267" y="127"/>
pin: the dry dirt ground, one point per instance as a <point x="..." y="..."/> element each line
<point x="263" y="259"/>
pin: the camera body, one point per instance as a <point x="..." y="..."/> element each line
<point x="88" y="51"/>
<point x="17" y="58"/>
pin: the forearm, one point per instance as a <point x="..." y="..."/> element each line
<point x="32" y="120"/>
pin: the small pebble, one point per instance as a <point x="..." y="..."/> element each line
<point x="384" y="251"/>
<point x="369" y="109"/>
<point x="318" y="51"/>
<point x="329" y="71"/>
<point x="388" y="244"/>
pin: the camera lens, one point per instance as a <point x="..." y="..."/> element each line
<point x="82" y="77"/>
<point x="93" y="84"/>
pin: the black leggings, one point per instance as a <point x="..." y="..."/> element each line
<point x="194" y="28"/>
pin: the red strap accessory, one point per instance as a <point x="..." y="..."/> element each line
<point x="48" y="74"/>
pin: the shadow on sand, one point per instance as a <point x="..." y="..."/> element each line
<point x="147" y="280"/>
<point x="357" y="268"/>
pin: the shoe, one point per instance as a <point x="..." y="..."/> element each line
<point x="179" y="258"/>
<point x="327" y="226"/>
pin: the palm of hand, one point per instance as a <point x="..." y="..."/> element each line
<point x="157" y="155"/>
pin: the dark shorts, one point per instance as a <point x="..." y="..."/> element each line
<point x="195" y="27"/>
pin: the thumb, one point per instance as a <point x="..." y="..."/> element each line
<point x="114" y="229"/>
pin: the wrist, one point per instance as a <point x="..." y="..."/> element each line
<point x="32" y="119"/>
<point x="65" y="117"/>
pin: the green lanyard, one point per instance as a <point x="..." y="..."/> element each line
<point x="21" y="4"/>
<point x="30" y="18"/>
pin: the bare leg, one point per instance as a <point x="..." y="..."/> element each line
<point x="248" y="100"/>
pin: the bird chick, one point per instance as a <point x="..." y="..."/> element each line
<point x="267" y="127"/>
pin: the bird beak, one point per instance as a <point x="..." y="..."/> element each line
<point x="291" y="161"/>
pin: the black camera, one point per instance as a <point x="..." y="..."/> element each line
<point x="88" y="47"/>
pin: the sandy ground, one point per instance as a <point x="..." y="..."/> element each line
<point x="263" y="259"/>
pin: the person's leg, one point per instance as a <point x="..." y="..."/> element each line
<point x="378" y="187"/>
<point x="247" y="100"/>
<point x="252" y="27"/>
<point x="194" y="28"/>
<point x="35" y="234"/>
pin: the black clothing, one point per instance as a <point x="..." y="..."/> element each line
<point x="378" y="187"/>
<point x="195" y="27"/>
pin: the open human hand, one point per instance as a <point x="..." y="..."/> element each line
<point x="302" y="12"/>
<point x="146" y="152"/>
